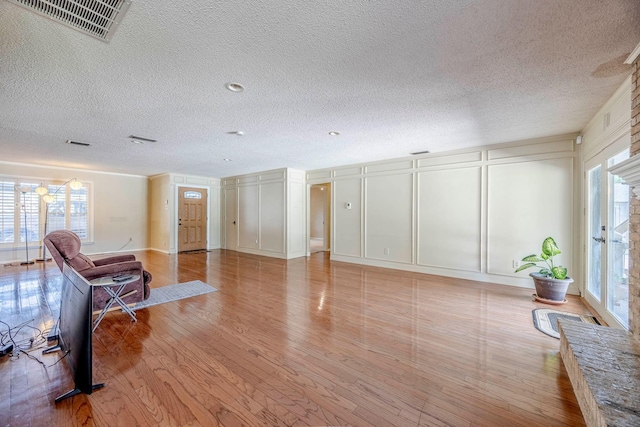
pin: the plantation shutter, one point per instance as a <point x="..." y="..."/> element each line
<point x="78" y="212"/>
<point x="56" y="210"/>
<point x="7" y="211"/>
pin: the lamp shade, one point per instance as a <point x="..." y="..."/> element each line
<point x="75" y="184"/>
<point x="48" y="198"/>
<point x="41" y="190"/>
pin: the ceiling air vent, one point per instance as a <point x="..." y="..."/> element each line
<point x="84" y="144"/>
<point x="98" y="18"/>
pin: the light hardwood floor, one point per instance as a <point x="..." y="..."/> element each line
<point x="292" y="343"/>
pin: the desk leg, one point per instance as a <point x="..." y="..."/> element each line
<point x="107" y="306"/>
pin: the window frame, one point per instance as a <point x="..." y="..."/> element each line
<point x="42" y="208"/>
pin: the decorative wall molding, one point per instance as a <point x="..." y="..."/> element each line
<point x="634" y="55"/>
<point x="629" y="171"/>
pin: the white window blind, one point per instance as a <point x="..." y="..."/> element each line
<point x="7" y="211"/>
<point x="78" y="212"/>
<point x="57" y="208"/>
<point x="27" y="216"/>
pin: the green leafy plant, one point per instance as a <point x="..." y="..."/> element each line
<point x="549" y="250"/>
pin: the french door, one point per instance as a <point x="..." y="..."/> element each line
<point x="607" y="237"/>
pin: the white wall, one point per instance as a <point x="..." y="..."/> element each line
<point x="316" y="212"/>
<point x="119" y="208"/>
<point x="347" y="222"/>
<point x="467" y="213"/>
<point x="456" y="192"/>
<point x="160" y="209"/>
<point x="270" y="216"/>
<point x="609" y="124"/>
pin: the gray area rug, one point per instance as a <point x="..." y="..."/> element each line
<point x="546" y="320"/>
<point x="175" y="292"/>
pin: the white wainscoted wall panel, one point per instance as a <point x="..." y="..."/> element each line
<point x="389" y="217"/>
<point x="272" y="217"/>
<point x="528" y="202"/>
<point x="269" y="209"/>
<point x="450" y="218"/>
<point x="214" y="217"/>
<point x="248" y="217"/>
<point x="347" y="217"/>
<point x="296" y="214"/>
<point x="467" y="213"/>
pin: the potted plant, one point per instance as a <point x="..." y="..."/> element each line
<point x="551" y="281"/>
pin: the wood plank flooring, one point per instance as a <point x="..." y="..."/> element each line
<point x="294" y="343"/>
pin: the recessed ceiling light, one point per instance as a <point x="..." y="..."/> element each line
<point x="334" y="133"/>
<point x="227" y="160"/>
<point x="234" y="87"/>
<point x="236" y="132"/>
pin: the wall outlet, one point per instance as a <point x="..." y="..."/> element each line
<point x="515" y="263"/>
<point x="386" y="251"/>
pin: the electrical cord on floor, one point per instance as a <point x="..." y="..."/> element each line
<point x="25" y="346"/>
<point x="27" y="343"/>
<point x="125" y="245"/>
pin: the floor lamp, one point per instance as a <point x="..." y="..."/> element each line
<point x="24" y="190"/>
<point x="49" y="198"/>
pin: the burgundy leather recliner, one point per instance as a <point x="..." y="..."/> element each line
<point x="64" y="245"/>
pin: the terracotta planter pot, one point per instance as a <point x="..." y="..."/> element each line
<point x="548" y="288"/>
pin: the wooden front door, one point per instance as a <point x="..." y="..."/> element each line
<point x="192" y="219"/>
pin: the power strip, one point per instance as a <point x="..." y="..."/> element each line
<point x="6" y="349"/>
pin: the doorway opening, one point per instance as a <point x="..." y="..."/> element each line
<point x="320" y="218"/>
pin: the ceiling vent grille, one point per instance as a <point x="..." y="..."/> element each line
<point x="98" y="18"/>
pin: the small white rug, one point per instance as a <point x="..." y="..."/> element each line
<point x="174" y="293"/>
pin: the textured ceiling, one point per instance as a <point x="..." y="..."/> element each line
<point x="393" y="77"/>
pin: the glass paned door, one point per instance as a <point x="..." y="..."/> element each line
<point x="607" y="238"/>
<point x="618" y="245"/>
<point x="594" y="276"/>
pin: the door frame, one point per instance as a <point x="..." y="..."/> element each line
<point x="328" y="216"/>
<point x="176" y="213"/>
<point x="599" y="158"/>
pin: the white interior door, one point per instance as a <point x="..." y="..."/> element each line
<point x="607" y="238"/>
<point x="230" y="219"/>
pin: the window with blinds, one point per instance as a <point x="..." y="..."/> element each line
<point x="78" y="212"/>
<point x="25" y="216"/>
<point x="7" y="211"/>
